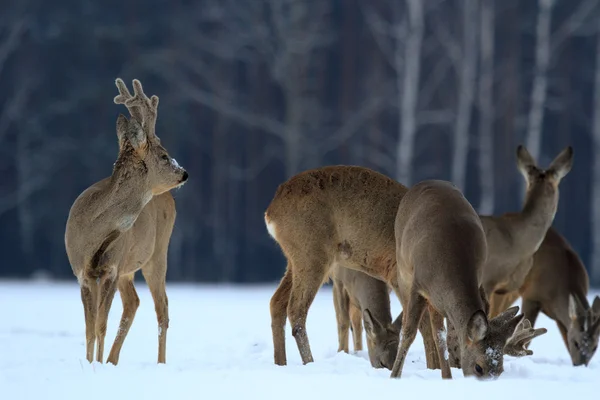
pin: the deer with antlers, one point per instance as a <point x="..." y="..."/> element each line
<point x="122" y="224"/>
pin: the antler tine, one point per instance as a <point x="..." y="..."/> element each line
<point x="148" y="107"/>
<point x="123" y="97"/>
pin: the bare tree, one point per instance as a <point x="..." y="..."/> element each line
<point x="486" y="111"/>
<point x="540" y="78"/>
<point x="466" y="93"/>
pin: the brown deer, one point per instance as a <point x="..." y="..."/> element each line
<point x="122" y="224"/>
<point x="357" y="295"/>
<point x="441" y="249"/>
<point x="335" y="216"/>
<point x="557" y="285"/>
<point x="513" y="238"/>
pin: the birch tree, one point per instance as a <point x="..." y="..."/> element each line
<point x="486" y="111"/>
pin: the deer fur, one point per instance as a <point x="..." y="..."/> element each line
<point x="122" y="224"/>
<point x="513" y="238"/>
<point x="441" y="249"/>
<point x="557" y="285"/>
<point x="358" y="296"/>
<point x="335" y="216"/>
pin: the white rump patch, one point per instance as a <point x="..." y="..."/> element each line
<point x="270" y="228"/>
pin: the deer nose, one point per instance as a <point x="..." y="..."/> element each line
<point x="184" y="177"/>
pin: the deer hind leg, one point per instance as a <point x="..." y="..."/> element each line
<point x="357" y="328"/>
<point x="308" y="276"/>
<point x="278" y="307"/>
<point x="89" y="298"/>
<point x="108" y="288"/>
<point x="155" y="275"/>
<point x="429" y="341"/>
<point x="341" y="303"/>
<point x="131" y="302"/>
<point x="412" y="317"/>
<point x="437" y="326"/>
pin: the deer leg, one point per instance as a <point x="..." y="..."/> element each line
<point x="155" y="276"/>
<point x="357" y="328"/>
<point x="428" y="336"/>
<point x="437" y="326"/>
<point x="304" y="289"/>
<point x="412" y="318"/>
<point x="531" y="310"/>
<point x="278" y="306"/>
<point x="131" y="303"/>
<point x="108" y="288"/>
<point x="89" y="298"/>
<point x="341" y="303"/>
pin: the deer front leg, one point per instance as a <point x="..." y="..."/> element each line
<point x="131" y="302"/>
<point x="89" y="298"/>
<point x="437" y="326"/>
<point x="341" y="303"/>
<point x="108" y="288"/>
<point x="429" y="341"/>
<point x="357" y="327"/>
<point x="410" y="324"/>
<point x="278" y="306"/>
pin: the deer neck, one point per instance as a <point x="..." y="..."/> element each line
<point x="535" y="218"/>
<point x="126" y="195"/>
<point x="460" y="312"/>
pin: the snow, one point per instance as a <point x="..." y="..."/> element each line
<point x="219" y="346"/>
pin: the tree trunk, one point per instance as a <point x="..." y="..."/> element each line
<point x="465" y="95"/>
<point x="540" y="79"/>
<point x="486" y="112"/>
<point x="408" y="90"/>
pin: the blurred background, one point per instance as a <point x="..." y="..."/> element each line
<point x="255" y="91"/>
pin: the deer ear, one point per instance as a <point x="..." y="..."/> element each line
<point x="397" y="324"/>
<point x="371" y="324"/>
<point x="477" y="327"/>
<point x="562" y="163"/>
<point x="122" y="126"/>
<point x="136" y="136"/>
<point x="575" y="308"/>
<point x="596" y="306"/>
<point x="524" y="160"/>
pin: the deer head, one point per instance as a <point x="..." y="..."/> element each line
<point x="382" y="340"/>
<point x="545" y="180"/>
<point x="482" y="352"/>
<point x="138" y="144"/>
<point x="583" y="333"/>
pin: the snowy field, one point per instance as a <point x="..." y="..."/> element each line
<point x="219" y="347"/>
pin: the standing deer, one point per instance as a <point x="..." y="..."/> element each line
<point x="122" y="224"/>
<point x="557" y="285"/>
<point x="335" y="216"/>
<point x="441" y="249"/>
<point x="357" y="295"/>
<point x="513" y="238"/>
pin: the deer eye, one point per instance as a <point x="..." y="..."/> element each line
<point x="478" y="369"/>
<point x="576" y="345"/>
<point x="165" y="157"/>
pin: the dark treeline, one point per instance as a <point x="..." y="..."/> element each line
<point x="252" y="92"/>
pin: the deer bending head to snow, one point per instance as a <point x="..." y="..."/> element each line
<point x="441" y="248"/>
<point x="122" y="224"/>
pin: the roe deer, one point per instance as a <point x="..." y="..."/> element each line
<point x="357" y="295"/>
<point x="335" y="216"/>
<point x="557" y="285"/>
<point x="441" y="248"/>
<point x="513" y="237"/>
<point x="123" y="223"/>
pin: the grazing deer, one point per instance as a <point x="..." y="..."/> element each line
<point x="441" y="249"/>
<point x="357" y="295"/>
<point x="557" y="285"/>
<point x="335" y="216"/>
<point x="122" y="224"/>
<point x="513" y="237"/>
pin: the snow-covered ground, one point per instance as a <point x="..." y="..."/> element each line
<point x="219" y="347"/>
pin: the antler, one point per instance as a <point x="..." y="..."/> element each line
<point x="142" y="108"/>
<point x="516" y="346"/>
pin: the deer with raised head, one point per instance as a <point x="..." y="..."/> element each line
<point x="557" y="285"/>
<point x="358" y="296"/>
<point x="335" y="216"/>
<point x="122" y="224"/>
<point x="513" y="238"/>
<point x="441" y="248"/>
